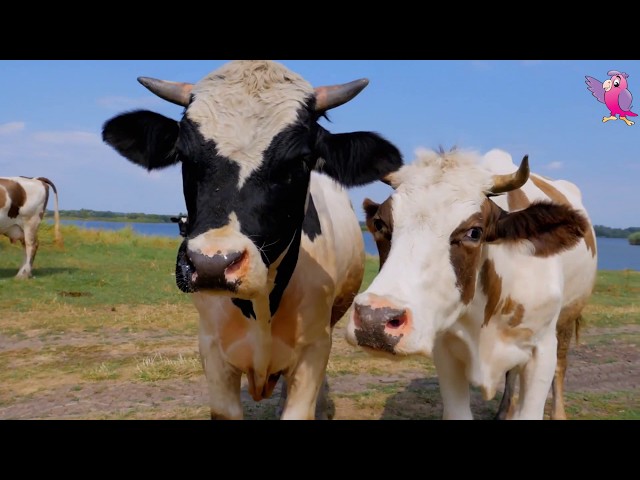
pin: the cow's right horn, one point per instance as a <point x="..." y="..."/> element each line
<point x="511" y="181"/>
<point x="174" y="92"/>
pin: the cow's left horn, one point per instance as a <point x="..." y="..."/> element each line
<point x="174" y="92"/>
<point x="335" y="95"/>
<point x="511" y="181"/>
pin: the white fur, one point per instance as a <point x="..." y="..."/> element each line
<point x="433" y="196"/>
<point x="243" y="105"/>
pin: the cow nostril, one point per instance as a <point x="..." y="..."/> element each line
<point x="236" y="263"/>
<point x="397" y="322"/>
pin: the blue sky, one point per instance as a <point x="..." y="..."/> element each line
<point x="53" y="111"/>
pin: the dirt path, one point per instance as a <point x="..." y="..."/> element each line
<point x="595" y="365"/>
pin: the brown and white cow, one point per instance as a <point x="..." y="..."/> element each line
<point x="478" y="287"/>
<point x="23" y="202"/>
<point x="273" y="253"/>
<point x="579" y="263"/>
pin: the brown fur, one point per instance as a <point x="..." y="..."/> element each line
<point x="17" y="196"/>
<point x="382" y="213"/>
<point x="559" y="198"/>
<point x="549" y="227"/>
<point x="465" y="257"/>
<point x="492" y="287"/>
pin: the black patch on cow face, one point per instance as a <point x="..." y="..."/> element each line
<point x="311" y="223"/>
<point x="269" y="205"/>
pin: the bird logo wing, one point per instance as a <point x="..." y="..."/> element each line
<point x="595" y="87"/>
<point x="624" y="100"/>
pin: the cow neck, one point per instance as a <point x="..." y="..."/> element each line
<point x="311" y="227"/>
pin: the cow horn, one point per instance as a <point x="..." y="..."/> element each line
<point x="511" y="181"/>
<point x="174" y="92"/>
<point x="329" y="97"/>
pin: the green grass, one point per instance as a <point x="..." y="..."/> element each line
<point x="103" y="315"/>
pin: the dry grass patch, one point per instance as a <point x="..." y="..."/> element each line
<point x="158" y="367"/>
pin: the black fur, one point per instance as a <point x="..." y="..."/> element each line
<point x="311" y="224"/>
<point x="355" y="159"/>
<point x="270" y="203"/>
<point x="145" y="138"/>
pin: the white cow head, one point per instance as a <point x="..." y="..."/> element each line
<point x="442" y="218"/>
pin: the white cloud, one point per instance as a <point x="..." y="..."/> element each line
<point x="11" y="127"/>
<point x="68" y="138"/>
<point x="554" y="166"/>
<point x="128" y="103"/>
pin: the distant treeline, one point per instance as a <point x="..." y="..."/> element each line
<point x="602" y="231"/>
<point x="109" y="216"/>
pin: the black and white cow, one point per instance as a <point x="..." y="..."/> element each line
<point x="23" y="202"/>
<point x="273" y="254"/>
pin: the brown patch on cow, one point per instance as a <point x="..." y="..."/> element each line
<point x="549" y="227"/>
<point x="491" y="284"/>
<point x="517" y="200"/>
<point x="510" y="306"/>
<point x="17" y="196"/>
<point x="517" y="334"/>
<point x="556" y="196"/>
<point x="518" y="315"/>
<point x="380" y="214"/>
<point x="465" y="256"/>
<point x="568" y="322"/>
<point x="3" y="198"/>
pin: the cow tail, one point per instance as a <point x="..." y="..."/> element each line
<point x="56" y="213"/>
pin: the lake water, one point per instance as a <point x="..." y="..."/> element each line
<point x="613" y="253"/>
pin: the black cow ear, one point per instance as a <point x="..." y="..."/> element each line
<point x="357" y="158"/>
<point x="145" y="138"/>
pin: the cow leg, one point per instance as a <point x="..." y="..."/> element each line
<point x="454" y="385"/>
<point x="506" y="404"/>
<point x="223" y="381"/>
<point x="305" y="382"/>
<point x="536" y="378"/>
<point x="564" y="333"/>
<point x="30" y="243"/>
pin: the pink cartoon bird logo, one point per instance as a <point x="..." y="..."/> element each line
<point x="614" y="94"/>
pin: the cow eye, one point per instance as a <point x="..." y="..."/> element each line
<point x="473" y="234"/>
<point x="379" y="225"/>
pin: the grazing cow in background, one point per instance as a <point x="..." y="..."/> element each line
<point x="579" y="263"/>
<point x="274" y="253"/>
<point x="23" y="202"/>
<point x="182" y="221"/>
<point x="472" y="285"/>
